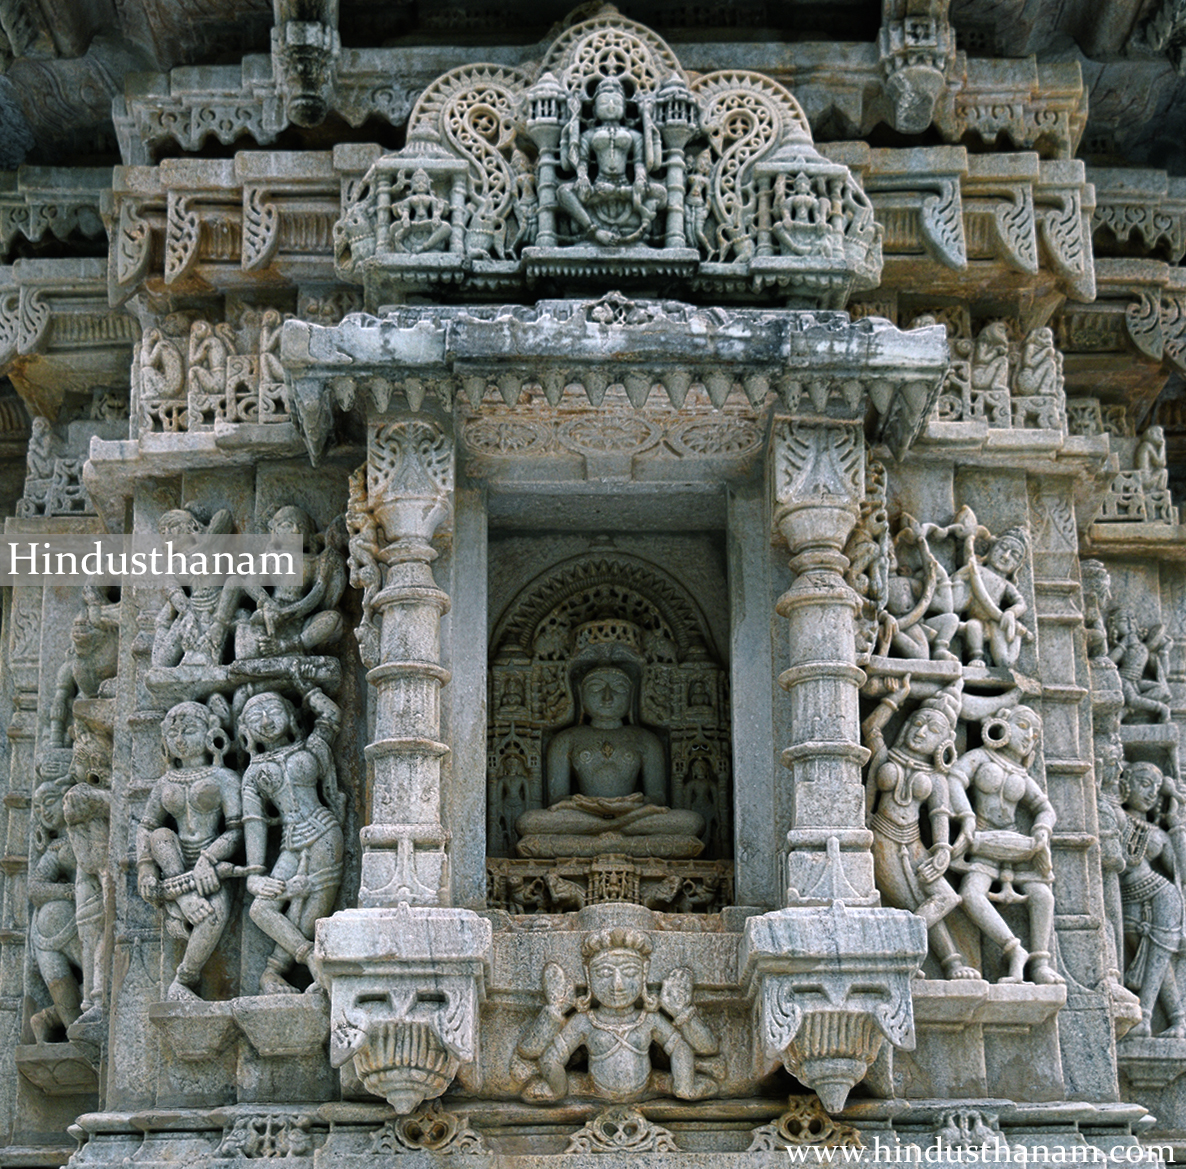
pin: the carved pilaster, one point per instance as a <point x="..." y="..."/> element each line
<point x="818" y="473"/>
<point x="829" y="976"/>
<point x="409" y="481"/>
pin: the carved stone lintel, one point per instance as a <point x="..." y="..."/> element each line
<point x="621" y="1130"/>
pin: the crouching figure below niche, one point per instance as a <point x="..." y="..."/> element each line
<point x="617" y="1022"/>
<point x="604" y="758"/>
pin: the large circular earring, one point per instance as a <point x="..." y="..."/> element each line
<point x="995" y="732"/>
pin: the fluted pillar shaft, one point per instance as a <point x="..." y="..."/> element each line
<point x="818" y="472"/>
<point x="409" y="482"/>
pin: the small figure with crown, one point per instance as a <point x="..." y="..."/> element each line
<point x="617" y="1021"/>
<point x="605" y="755"/>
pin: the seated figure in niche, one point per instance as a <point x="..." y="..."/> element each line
<point x="419" y="224"/>
<point x="285" y="771"/>
<point x="300" y="618"/>
<point x="1152" y="903"/>
<point x="803" y="217"/>
<point x="912" y="776"/>
<point x="616" y="207"/>
<point x="185" y="868"/>
<point x="993" y="781"/>
<point x="605" y="759"/>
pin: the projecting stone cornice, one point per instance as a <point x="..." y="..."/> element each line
<point x="815" y="363"/>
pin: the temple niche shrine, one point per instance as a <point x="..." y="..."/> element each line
<point x="732" y="698"/>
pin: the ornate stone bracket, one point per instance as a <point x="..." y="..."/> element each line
<point x="405" y="988"/>
<point x="828" y="987"/>
<point x="917" y="52"/>
<point x="305" y="54"/>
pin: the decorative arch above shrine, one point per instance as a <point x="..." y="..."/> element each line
<point x="609" y="162"/>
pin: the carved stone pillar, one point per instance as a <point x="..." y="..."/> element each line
<point x="818" y="474"/>
<point x="409" y="480"/>
<point x="830" y="975"/>
<point x="406" y="975"/>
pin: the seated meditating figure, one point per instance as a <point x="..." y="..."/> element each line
<point x="594" y="769"/>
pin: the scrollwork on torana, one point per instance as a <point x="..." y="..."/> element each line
<point x="430" y="1128"/>
<point x="608" y="155"/>
<point x="621" y="1130"/>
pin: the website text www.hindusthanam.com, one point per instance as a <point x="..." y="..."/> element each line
<point x="990" y="1153"/>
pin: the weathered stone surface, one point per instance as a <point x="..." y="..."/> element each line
<point x="739" y="646"/>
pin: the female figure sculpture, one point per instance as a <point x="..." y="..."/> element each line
<point x="614" y="208"/>
<point x="184" y="868"/>
<point x="1152" y="902"/>
<point x="285" y="771"/>
<point x="53" y="934"/>
<point x="911" y="776"/>
<point x="606" y="759"/>
<point x="993" y="781"/>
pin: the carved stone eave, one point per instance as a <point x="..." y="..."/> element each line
<point x="115" y="466"/>
<point x="36" y="201"/>
<point x="262" y="220"/>
<point x="1013" y="226"/>
<point x="57" y="334"/>
<point x="828" y="984"/>
<point x="406" y="986"/>
<point x="1135" y="205"/>
<point x="1139" y="312"/>
<point x="1033" y="106"/>
<point x="819" y="363"/>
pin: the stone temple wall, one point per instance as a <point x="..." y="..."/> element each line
<point x="732" y="697"/>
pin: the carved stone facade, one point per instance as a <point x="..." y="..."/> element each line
<point x="730" y="696"/>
